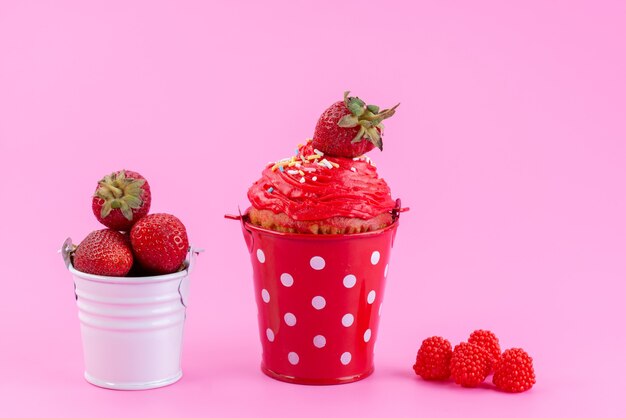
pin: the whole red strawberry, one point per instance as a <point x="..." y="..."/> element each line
<point x="433" y="359"/>
<point x="514" y="371"/>
<point x="350" y="128"/>
<point x="105" y="253"/>
<point x="160" y="243"/>
<point x="469" y="365"/>
<point x="486" y="340"/>
<point x="121" y="199"/>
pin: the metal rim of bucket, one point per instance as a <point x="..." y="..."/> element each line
<point x="125" y="279"/>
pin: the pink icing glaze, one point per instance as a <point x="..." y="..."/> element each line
<point x="351" y="190"/>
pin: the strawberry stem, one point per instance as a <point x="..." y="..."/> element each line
<point x="120" y="192"/>
<point x="369" y="117"/>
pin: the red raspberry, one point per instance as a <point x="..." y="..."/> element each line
<point x="433" y="359"/>
<point x="486" y="340"/>
<point x="514" y="371"/>
<point x="470" y="365"/>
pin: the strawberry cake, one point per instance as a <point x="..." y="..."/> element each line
<point x="329" y="185"/>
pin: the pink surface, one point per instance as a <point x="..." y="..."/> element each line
<point x="509" y="147"/>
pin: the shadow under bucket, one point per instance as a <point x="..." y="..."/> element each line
<point x="131" y="327"/>
<point x="319" y="301"/>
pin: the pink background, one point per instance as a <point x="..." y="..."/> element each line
<point x="509" y="147"/>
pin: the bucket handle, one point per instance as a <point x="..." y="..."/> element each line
<point x="191" y="261"/>
<point x="395" y="215"/>
<point x="247" y="233"/>
<point x="66" y="251"/>
<point x="191" y="257"/>
<point x="398" y="209"/>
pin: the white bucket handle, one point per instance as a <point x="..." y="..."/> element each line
<point x="66" y="251"/>
<point x="183" y="286"/>
<point x="191" y="257"/>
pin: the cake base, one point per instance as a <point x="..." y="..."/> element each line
<point x="332" y="226"/>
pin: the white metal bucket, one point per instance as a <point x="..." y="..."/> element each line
<point x="131" y="327"/>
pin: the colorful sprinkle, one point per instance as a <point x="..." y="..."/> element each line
<point x="270" y="190"/>
<point x="314" y="178"/>
<point x="318" y="152"/>
<point x="353" y="169"/>
<point x="292" y="172"/>
<point x="313" y="157"/>
<point x="281" y="168"/>
<point x="325" y="163"/>
<point x="302" y="180"/>
<point x="334" y="164"/>
<point x="301" y="172"/>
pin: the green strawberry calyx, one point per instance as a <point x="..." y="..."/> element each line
<point x="368" y="117"/>
<point x="120" y="192"/>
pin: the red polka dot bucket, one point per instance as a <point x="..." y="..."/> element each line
<point x="319" y="300"/>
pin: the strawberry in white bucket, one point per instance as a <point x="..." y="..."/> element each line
<point x="105" y="253"/>
<point x="121" y="199"/>
<point x="160" y="243"/>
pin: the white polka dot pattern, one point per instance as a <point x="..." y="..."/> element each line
<point x="286" y="279"/>
<point x="371" y="297"/>
<point x="290" y="319"/>
<point x="318" y="302"/>
<point x="293" y="358"/>
<point x="319" y="341"/>
<point x="319" y="309"/>
<point x="349" y="281"/>
<point x="317" y="263"/>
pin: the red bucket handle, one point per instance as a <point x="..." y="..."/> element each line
<point x="396" y="211"/>
<point x="395" y="214"/>
<point x="247" y="234"/>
